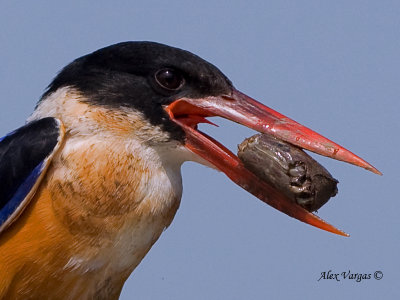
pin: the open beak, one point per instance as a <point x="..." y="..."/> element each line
<point x="237" y="107"/>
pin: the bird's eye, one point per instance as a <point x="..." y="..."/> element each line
<point x="169" y="79"/>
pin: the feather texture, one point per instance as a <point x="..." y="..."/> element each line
<point x="25" y="154"/>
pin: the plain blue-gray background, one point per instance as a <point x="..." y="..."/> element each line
<point x="331" y="65"/>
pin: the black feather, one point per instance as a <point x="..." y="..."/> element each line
<point x="122" y="75"/>
<point x="21" y="151"/>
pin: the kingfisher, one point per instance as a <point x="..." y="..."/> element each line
<point x="93" y="178"/>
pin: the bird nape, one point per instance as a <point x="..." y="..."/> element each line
<point x="90" y="182"/>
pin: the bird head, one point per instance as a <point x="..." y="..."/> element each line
<point x="175" y="90"/>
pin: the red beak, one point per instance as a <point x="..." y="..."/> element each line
<point x="244" y="110"/>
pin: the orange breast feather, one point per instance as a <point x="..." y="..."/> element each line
<point x="94" y="217"/>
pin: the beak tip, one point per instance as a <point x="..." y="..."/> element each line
<point x="335" y="230"/>
<point x="376" y="171"/>
<point x="369" y="167"/>
<point x="342" y="233"/>
<point x="353" y="159"/>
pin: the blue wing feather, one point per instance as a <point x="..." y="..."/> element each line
<point x="24" y="157"/>
<point x="23" y="190"/>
